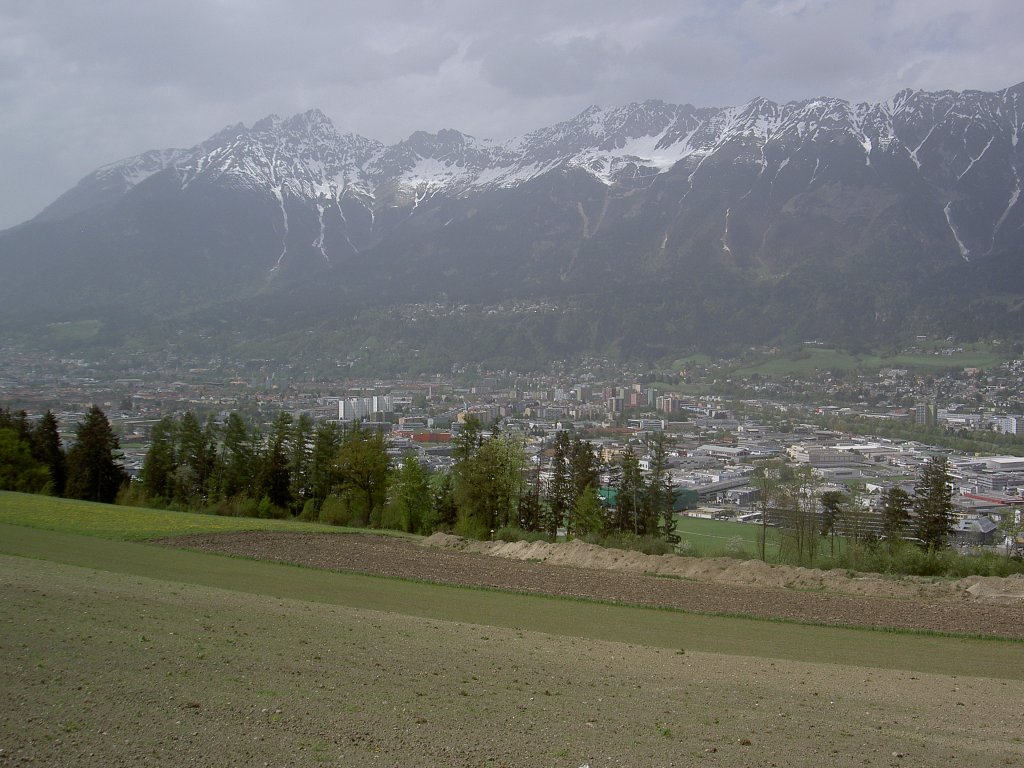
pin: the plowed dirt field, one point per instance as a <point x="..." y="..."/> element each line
<point x="938" y="610"/>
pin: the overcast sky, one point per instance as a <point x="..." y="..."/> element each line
<point x="86" y="83"/>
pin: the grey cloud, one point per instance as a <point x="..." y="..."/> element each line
<point x="541" y="68"/>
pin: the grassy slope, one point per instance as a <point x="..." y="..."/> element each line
<point x="131" y="523"/>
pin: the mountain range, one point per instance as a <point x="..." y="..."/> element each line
<point x="637" y="231"/>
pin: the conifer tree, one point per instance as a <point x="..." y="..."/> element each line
<point x="445" y="510"/>
<point x="895" y="514"/>
<point x="300" y="459"/>
<point x="323" y="476"/>
<point x="659" y="497"/>
<point x="530" y="506"/>
<point x="559" y="494"/>
<point x="160" y="465"/>
<point x="588" y="515"/>
<point x="94" y="473"/>
<point x="47" y="449"/>
<point x="238" y="468"/>
<point x="629" y="488"/>
<point x="275" y="478"/>
<point x="832" y="504"/>
<point x="933" y="504"/>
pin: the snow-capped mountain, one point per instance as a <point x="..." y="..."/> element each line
<point x="762" y="194"/>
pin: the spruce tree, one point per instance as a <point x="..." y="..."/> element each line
<point x="238" y="468"/>
<point x="560" y="490"/>
<point x="300" y="459"/>
<point x="629" y="486"/>
<point x="895" y="514"/>
<point x="659" y="496"/>
<point x="275" y="478"/>
<point x="47" y="449"/>
<point x="160" y="465"/>
<point x="832" y="503"/>
<point x="323" y="476"/>
<point x="94" y="473"/>
<point x="933" y="504"/>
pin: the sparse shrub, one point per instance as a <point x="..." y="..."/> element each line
<point x="309" y="511"/>
<point x="736" y="548"/>
<point x="268" y="510"/>
<point x="236" y="506"/>
<point x="908" y="559"/>
<point x="335" y="511"/>
<point x="469" y="528"/>
<point x="392" y="517"/>
<point x="649" y="545"/>
<point x="512" y="533"/>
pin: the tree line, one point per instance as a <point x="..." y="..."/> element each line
<point x="806" y="521"/>
<point x="343" y="475"/>
<point x="33" y="459"/>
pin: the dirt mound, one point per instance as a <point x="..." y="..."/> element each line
<point x="742" y="572"/>
<point x="996" y="590"/>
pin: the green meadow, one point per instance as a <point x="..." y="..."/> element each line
<point x="810" y="359"/>
<point x="719" y="537"/>
<point x="131" y="523"/>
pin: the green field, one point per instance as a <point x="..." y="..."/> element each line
<point x="131" y="523"/>
<point x="811" y="359"/>
<point x="718" y="537"/>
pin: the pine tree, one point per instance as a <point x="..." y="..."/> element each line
<point x="47" y="449"/>
<point x="160" y="466"/>
<point x="933" y="504"/>
<point x="895" y="514"/>
<point x="629" y="486"/>
<point x="832" y="503"/>
<point x="94" y="473"/>
<point x="559" y="494"/>
<point x="237" y="467"/>
<point x="588" y="514"/>
<point x="660" y="496"/>
<point x="323" y="476"/>
<point x="300" y="459"/>
<point x="275" y="479"/>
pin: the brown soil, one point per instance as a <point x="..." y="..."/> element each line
<point x="903" y="605"/>
<point x="104" y="670"/>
